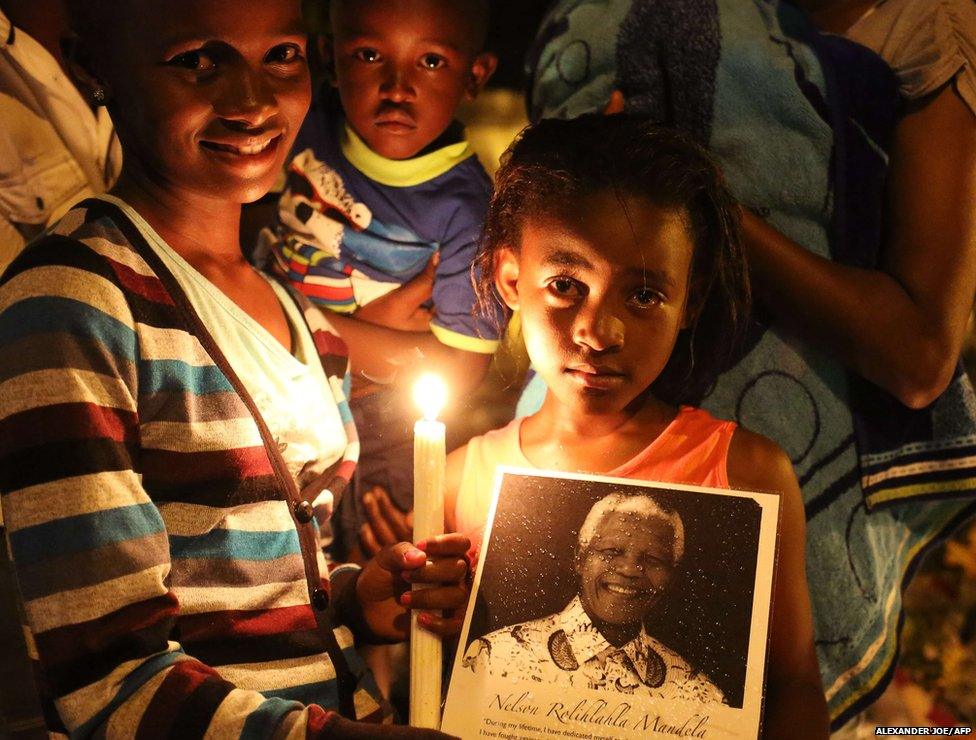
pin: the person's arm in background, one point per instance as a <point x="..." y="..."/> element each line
<point x="795" y="706"/>
<point x="384" y="331"/>
<point x="386" y="354"/>
<point x="388" y="332"/>
<point x="901" y="326"/>
<point x="391" y="337"/>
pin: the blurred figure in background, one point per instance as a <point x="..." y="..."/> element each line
<point x="56" y="147"/>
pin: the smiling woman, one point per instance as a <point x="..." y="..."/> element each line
<point x="206" y="102"/>
<point x="173" y="423"/>
<point x="208" y="79"/>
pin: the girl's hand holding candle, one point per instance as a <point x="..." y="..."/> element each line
<point x="383" y="588"/>
<point x="436" y="566"/>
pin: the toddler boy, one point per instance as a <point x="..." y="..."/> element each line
<point x="382" y="187"/>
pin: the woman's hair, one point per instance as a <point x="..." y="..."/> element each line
<point x="555" y="163"/>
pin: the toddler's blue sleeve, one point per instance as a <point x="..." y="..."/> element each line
<point x="458" y="322"/>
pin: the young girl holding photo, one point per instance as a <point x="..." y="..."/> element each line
<point x="618" y="246"/>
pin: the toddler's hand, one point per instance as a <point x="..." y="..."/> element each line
<point x="402" y="308"/>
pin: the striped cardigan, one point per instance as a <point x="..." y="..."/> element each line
<point x="171" y="577"/>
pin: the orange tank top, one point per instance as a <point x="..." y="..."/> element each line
<point x="693" y="449"/>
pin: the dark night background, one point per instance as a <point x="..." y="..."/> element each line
<point x="513" y="27"/>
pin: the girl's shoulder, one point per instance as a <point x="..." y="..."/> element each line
<point x="698" y="421"/>
<point x="757" y="463"/>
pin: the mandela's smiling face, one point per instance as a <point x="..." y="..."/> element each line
<point x="626" y="567"/>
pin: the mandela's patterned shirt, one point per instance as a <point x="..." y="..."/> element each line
<point x="566" y="649"/>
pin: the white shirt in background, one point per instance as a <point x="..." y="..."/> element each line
<point x="54" y="149"/>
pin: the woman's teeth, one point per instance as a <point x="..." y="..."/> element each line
<point x="248" y="149"/>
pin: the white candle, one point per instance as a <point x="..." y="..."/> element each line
<point x="429" y="460"/>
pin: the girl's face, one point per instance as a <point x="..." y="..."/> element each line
<point x="602" y="297"/>
<point x="207" y="95"/>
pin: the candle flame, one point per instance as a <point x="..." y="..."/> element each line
<point x="430" y="394"/>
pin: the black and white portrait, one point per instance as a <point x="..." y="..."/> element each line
<point x="617" y="587"/>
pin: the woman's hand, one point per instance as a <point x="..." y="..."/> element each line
<point x="383" y="588"/>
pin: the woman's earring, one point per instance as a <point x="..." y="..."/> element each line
<point x="98" y="95"/>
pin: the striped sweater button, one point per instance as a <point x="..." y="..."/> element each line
<point x="304" y="512"/>
<point x="320" y="599"/>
